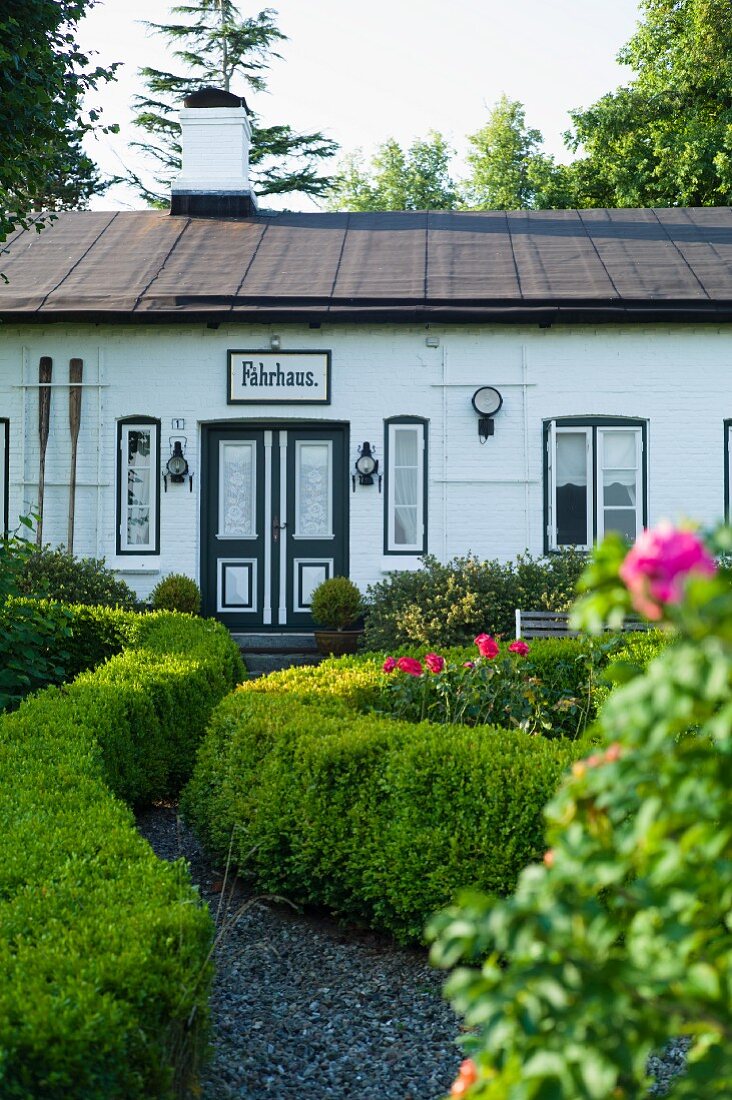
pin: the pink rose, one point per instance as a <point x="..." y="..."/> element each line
<point x="655" y="568"/>
<point x="410" y="666"/>
<point x="389" y="664"/>
<point x="468" y="664"/>
<point x="487" y="646"/>
<point x="519" y="647"/>
<point x="434" y="662"/>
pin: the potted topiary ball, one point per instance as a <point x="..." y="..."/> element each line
<point x="176" y="592"/>
<point x="336" y="605"/>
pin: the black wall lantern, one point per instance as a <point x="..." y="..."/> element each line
<point x="487" y="402"/>
<point x="176" y="468"/>
<point x="367" y="467"/>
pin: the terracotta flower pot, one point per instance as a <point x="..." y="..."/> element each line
<point x="336" y="643"/>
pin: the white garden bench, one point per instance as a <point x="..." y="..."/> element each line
<point x="555" y="624"/>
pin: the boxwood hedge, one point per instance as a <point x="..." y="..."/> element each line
<point x="319" y="796"/>
<point x="380" y="820"/>
<point x="104" y="949"/>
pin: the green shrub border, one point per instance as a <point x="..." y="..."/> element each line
<point x="104" y="949"/>
<point x="380" y="820"/>
<point x="319" y="797"/>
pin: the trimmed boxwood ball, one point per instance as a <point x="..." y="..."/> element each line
<point x="104" y="949"/>
<point x="176" y="592"/>
<point x="336" y="603"/>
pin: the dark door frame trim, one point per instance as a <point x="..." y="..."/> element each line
<point x="267" y="424"/>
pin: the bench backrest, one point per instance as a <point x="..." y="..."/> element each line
<point x="555" y="624"/>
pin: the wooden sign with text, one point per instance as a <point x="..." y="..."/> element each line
<point x="279" y="378"/>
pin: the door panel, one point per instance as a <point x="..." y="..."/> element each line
<point x="316" y="515"/>
<point x="233" y="526"/>
<point x="274" y="519"/>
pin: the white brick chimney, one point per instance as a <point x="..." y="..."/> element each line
<point x="215" y="139"/>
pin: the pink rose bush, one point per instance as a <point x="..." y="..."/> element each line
<point x="490" y="690"/>
<point x="656" y="568"/>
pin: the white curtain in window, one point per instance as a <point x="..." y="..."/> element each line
<point x="571" y="458"/>
<point x="313" y="466"/>
<point x="619" y="475"/>
<point x="138" y="487"/>
<point x="237" y="490"/>
<point x="406" y="485"/>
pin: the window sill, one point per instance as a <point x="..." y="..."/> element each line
<point x="400" y="563"/>
<point x="135" y="567"/>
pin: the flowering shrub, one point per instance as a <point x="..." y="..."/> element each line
<point x="621" y="939"/>
<point x="486" y="691"/>
<point x="446" y="604"/>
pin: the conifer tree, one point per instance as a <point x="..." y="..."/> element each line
<point x="218" y="47"/>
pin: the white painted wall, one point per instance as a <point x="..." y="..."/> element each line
<point x="483" y="498"/>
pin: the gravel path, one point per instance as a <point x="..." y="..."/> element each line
<point x="303" y="1010"/>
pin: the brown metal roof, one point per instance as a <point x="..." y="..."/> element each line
<point x="543" y="266"/>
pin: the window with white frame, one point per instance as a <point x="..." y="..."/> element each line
<point x="137" y="488"/>
<point x="406" y="487"/>
<point x="595" y="480"/>
<point x="4" y="441"/>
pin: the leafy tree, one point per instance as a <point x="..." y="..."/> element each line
<point x="508" y="169"/>
<point x="417" y="178"/>
<point x="665" y="138"/>
<point x="216" y="45"/>
<point x="43" y="78"/>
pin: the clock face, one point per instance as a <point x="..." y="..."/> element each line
<point x="487" y="401"/>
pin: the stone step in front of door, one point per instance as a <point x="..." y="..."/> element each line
<point x="250" y="642"/>
<point x="264" y="653"/>
<point x="259" y="664"/>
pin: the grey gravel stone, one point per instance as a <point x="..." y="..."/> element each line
<point x="303" y="1009"/>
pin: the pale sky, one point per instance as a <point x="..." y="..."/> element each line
<point x="385" y="68"/>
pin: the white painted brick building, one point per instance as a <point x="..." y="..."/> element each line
<point x="608" y="335"/>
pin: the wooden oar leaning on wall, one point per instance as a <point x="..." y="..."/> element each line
<point x="76" y="372"/>
<point x="45" y="372"/>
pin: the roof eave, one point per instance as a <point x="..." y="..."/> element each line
<point x="268" y="311"/>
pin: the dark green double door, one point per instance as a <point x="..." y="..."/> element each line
<point x="274" y="521"/>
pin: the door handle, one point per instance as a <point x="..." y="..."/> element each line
<point x="276" y="528"/>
